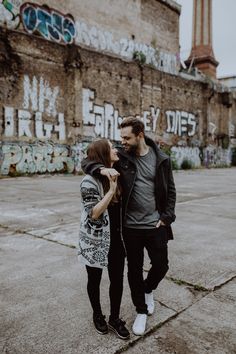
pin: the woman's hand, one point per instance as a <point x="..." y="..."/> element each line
<point x="99" y="208"/>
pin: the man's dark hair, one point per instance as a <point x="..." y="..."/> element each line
<point x="136" y="124"/>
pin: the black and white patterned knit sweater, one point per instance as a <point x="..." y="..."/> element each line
<point x="94" y="235"/>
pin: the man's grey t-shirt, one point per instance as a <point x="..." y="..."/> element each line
<point x="141" y="210"/>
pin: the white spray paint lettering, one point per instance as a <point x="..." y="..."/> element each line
<point x="231" y="130"/>
<point x="192" y="154"/>
<point x="106" y="120"/>
<point x="180" y="122"/>
<point x="212" y="129"/>
<point x="40" y="98"/>
<point x="104" y="41"/>
<point x="38" y="94"/>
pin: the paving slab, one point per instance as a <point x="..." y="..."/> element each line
<point x="204" y="249"/>
<point x="28" y="203"/>
<point x="207" y="327"/>
<point x="49" y="207"/>
<point x="44" y="303"/>
<point x="66" y="233"/>
<point x="177" y="296"/>
<point x="197" y="184"/>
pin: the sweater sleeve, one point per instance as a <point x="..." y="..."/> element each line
<point x="90" y="195"/>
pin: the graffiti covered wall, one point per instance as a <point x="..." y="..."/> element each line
<point x="27" y="120"/>
<point x="54" y="99"/>
<point x="48" y="22"/>
<point x="22" y="158"/>
<point x="104" y="120"/>
<point x="64" y="28"/>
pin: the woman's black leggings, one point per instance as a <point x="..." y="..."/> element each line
<point x="116" y="261"/>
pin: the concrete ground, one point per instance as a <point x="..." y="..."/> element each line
<point x="44" y="305"/>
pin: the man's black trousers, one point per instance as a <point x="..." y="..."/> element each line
<point x="155" y="242"/>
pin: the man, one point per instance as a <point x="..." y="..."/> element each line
<point x="148" y="204"/>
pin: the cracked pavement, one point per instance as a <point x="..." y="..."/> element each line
<point x="44" y="305"/>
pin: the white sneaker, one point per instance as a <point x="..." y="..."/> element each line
<point x="139" y="325"/>
<point x="149" y="301"/>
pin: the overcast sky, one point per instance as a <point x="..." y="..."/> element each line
<point x="224" y="33"/>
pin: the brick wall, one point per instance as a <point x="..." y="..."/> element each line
<point x="56" y="95"/>
<point x="54" y="99"/>
<point x="120" y="28"/>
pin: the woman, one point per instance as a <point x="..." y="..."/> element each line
<point x="100" y="242"/>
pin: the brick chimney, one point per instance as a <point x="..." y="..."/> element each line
<point x="202" y="55"/>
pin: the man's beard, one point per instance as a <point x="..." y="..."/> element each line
<point x="132" y="150"/>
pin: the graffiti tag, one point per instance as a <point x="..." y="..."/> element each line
<point x="36" y="158"/>
<point x="106" y="120"/>
<point x="49" y="23"/>
<point x="41" y="157"/>
<point x="10" y="13"/>
<point x="104" y="41"/>
<point x="180" y="122"/>
<point x="40" y="98"/>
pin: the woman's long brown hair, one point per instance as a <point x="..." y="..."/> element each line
<point x="99" y="150"/>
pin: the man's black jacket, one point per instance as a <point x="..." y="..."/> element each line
<point x="165" y="193"/>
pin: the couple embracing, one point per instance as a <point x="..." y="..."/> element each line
<point x="128" y="203"/>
